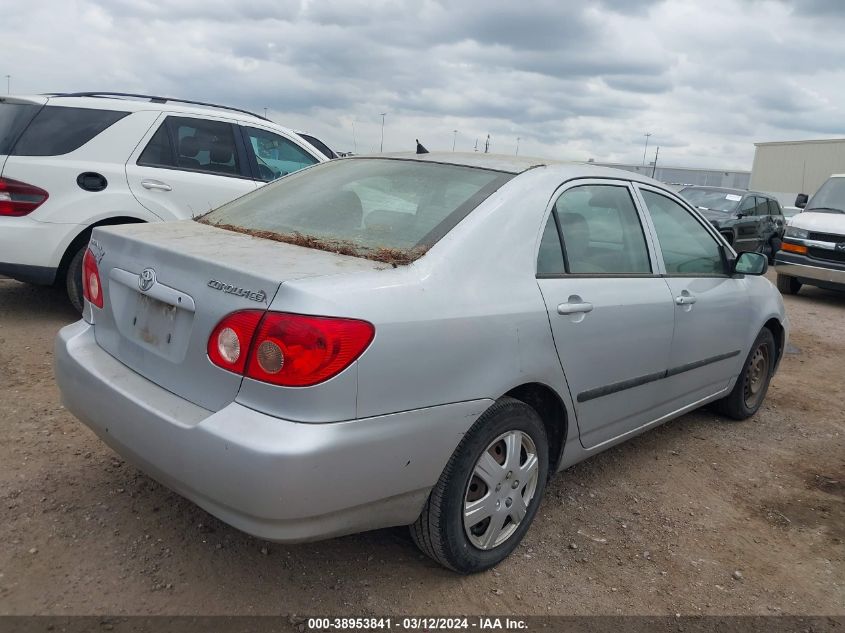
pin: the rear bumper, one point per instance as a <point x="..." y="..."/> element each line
<point x="31" y="250"/>
<point x="42" y="275"/>
<point x="276" y="479"/>
<point x="809" y="270"/>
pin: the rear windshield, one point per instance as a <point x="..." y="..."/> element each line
<point x="14" y="117"/>
<point x="712" y="199"/>
<point x="382" y="209"/>
<point x="56" y="130"/>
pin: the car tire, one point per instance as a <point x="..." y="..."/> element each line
<point x="73" y="279"/>
<point x="788" y="285"/>
<point x="775" y="243"/>
<point x="751" y="386"/>
<point x="442" y="532"/>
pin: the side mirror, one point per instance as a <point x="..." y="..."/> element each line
<point x="801" y="200"/>
<point x="751" y="263"/>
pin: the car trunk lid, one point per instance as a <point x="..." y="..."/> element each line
<point x="167" y="285"/>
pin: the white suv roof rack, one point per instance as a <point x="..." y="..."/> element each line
<point x="154" y="99"/>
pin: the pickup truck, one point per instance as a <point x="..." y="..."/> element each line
<point x="813" y="248"/>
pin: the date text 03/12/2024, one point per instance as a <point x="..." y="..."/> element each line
<point x="482" y="623"/>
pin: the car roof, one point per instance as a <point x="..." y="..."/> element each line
<point x="137" y="103"/>
<point x="517" y="165"/>
<point x="496" y="162"/>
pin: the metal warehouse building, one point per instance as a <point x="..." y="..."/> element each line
<point x="787" y="168"/>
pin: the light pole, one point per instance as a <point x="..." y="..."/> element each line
<point x="454" y="139"/>
<point x="645" y="149"/>
<point x="8" y="84"/>
<point x="354" y="140"/>
<point x="265" y="113"/>
<point x="516" y="153"/>
<point x="487" y="144"/>
<point x="381" y="145"/>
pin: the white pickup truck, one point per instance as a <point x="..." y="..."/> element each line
<point x="813" y="248"/>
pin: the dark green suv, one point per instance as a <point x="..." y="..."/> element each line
<point x="749" y="220"/>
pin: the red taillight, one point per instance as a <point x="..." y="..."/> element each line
<point x="292" y="350"/>
<point x="229" y="343"/>
<point x="92" y="289"/>
<point x="18" y="198"/>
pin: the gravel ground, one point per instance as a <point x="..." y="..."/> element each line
<point x="699" y="516"/>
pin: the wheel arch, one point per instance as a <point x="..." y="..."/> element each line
<point x="779" y="334"/>
<point x="82" y="237"/>
<point x="552" y="411"/>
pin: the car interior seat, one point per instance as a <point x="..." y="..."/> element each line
<point x="189" y="147"/>
<point x="221" y="158"/>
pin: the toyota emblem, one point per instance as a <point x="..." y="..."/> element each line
<point x="840" y="246"/>
<point x="146" y="279"/>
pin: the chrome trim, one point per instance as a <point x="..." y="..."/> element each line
<point x="818" y="273"/>
<point x="828" y="246"/>
<point x="158" y="290"/>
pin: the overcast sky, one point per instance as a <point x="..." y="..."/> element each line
<point x="572" y="80"/>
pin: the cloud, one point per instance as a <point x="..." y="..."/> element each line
<point x="571" y="80"/>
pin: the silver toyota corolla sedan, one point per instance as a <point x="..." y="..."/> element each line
<point x="412" y="340"/>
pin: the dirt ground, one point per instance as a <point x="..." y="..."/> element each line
<point x="699" y="516"/>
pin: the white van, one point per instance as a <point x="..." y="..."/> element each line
<point x="813" y="249"/>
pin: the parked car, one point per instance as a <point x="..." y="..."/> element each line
<point x="72" y="162"/>
<point x="748" y="220"/>
<point x="790" y="212"/>
<point x="327" y="151"/>
<point x="813" y="250"/>
<point x="412" y="340"/>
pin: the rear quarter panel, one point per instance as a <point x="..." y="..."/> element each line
<point x="105" y="154"/>
<point x="466" y="321"/>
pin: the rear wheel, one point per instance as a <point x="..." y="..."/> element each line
<point x="489" y="492"/>
<point x="788" y="285"/>
<point x="751" y="386"/>
<point x="73" y="279"/>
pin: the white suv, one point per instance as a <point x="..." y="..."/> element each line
<point x="71" y="162"/>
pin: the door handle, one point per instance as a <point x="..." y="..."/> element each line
<point x="575" y="307"/>
<point x="685" y="299"/>
<point x="156" y="184"/>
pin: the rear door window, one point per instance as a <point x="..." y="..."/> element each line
<point x="276" y="156"/>
<point x="194" y="145"/>
<point x="14" y="117"/>
<point x="601" y="231"/>
<point x="550" y="255"/>
<point x="56" y="130"/>
<point x="159" y="151"/>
